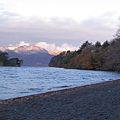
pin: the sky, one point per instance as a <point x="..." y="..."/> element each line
<point x="57" y="24"/>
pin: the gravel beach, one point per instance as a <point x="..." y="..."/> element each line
<point x="92" y="102"/>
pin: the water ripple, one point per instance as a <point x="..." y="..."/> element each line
<point x="22" y="81"/>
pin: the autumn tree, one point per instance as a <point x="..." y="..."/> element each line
<point x="83" y="46"/>
<point x="112" y="55"/>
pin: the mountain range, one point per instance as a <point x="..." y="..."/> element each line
<point x="31" y="55"/>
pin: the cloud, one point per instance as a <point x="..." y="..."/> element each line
<point x="46" y="45"/>
<point x="16" y="28"/>
<point x="53" y="47"/>
<point x="66" y="47"/>
<point x="22" y="43"/>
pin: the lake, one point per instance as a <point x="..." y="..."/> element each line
<point x="22" y="81"/>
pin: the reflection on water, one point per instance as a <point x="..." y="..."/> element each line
<point x="22" y="81"/>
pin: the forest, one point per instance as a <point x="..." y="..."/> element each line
<point x="90" y="56"/>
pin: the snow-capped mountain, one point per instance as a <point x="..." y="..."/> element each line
<point x="23" y="48"/>
<point x="7" y="48"/>
<point x="27" y="49"/>
<point x="31" y="55"/>
<point x="30" y="49"/>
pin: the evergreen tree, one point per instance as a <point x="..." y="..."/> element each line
<point x="105" y="44"/>
<point x="97" y="44"/>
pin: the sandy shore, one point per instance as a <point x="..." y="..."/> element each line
<point x="92" y="102"/>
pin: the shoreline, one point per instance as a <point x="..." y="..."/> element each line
<point x="99" y="101"/>
<point x="24" y="98"/>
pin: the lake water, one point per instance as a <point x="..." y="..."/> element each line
<point x="22" y="81"/>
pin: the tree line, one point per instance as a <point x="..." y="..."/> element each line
<point x="90" y="56"/>
<point x="4" y="61"/>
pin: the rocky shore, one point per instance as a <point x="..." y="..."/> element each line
<point x="92" y="102"/>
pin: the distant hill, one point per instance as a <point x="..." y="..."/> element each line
<point x="31" y="55"/>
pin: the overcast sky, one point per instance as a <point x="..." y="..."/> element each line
<point x="57" y="23"/>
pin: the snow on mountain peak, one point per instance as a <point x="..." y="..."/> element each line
<point x="29" y="49"/>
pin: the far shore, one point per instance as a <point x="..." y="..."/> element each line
<point x="99" y="101"/>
